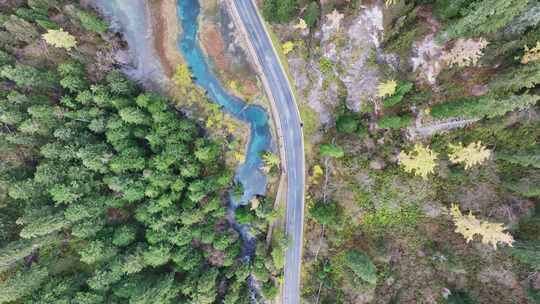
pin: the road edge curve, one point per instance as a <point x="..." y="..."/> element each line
<point x="238" y="20"/>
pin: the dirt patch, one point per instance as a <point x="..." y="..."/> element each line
<point x="166" y="31"/>
<point x="214" y="46"/>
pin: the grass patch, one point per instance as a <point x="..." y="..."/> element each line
<point x="310" y="118"/>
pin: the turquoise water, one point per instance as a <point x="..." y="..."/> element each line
<point x="249" y="173"/>
<point x="130" y="17"/>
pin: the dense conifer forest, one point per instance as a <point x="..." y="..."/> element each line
<point x="108" y="194"/>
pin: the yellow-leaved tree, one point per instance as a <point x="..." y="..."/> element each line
<point x="531" y="54"/>
<point x="255" y="202"/>
<point x="466" y="52"/>
<point x="302" y="25"/>
<point x="270" y="161"/>
<point x="421" y="161"/>
<point x="389" y="3"/>
<point x="287" y="47"/>
<point x="471" y="155"/>
<point x="469" y="226"/>
<point x="387" y="88"/>
<point x="316" y="173"/>
<point x="60" y="39"/>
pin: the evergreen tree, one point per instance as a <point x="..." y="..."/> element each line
<point x="22" y="284"/>
<point x="515" y="79"/>
<point x="489" y="107"/>
<point x="486" y="16"/>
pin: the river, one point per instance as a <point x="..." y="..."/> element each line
<point x="130" y="17"/>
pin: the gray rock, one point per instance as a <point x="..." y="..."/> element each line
<point x="377" y="164"/>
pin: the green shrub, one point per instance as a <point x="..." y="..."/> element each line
<point x="401" y="91"/>
<point x="325" y="213"/>
<point x="91" y="22"/>
<point x="528" y="253"/>
<point x="534" y="295"/>
<point x="394" y="122"/>
<point x="330" y="150"/>
<point x="459" y="297"/>
<point x="362" y="266"/>
<point x="347" y="123"/>
<point x="529" y="229"/>
<point x="326" y="65"/>
<point x="244" y="215"/>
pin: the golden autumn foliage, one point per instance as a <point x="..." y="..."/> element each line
<point x="389" y="3"/>
<point x="421" y="161"/>
<point x="387" y="88"/>
<point x="466" y="52"/>
<point x="531" y="54"/>
<point x="287" y="47"/>
<point x="316" y="174"/>
<point x="471" y="155"/>
<point x="182" y="76"/>
<point x="60" y="39"/>
<point x="255" y="202"/>
<point x="469" y="226"/>
<point x="270" y="160"/>
<point x="302" y="25"/>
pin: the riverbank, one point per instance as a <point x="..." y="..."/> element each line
<point x="163" y="16"/>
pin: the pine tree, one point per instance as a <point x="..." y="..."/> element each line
<point x="516" y="79"/>
<point x="26" y="76"/>
<point x="311" y="15"/>
<point x="23" y="283"/>
<point x="21" y="29"/>
<point x="42" y="223"/>
<point x="486" y="16"/>
<point x="524" y="159"/>
<point x="528" y="253"/>
<point x="480" y="107"/>
<point x="362" y="266"/>
<point x="18" y="250"/>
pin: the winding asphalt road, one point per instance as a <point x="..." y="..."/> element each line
<point x="293" y="143"/>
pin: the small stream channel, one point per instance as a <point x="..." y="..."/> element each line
<point x="130" y="17"/>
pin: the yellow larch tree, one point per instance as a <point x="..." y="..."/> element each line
<point x="469" y="226"/>
<point x="532" y="54"/>
<point x="255" y="202"/>
<point x="302" y="25"/>
<point x="60" y="39"/>
<point x="270" y="161"/>
<point x="421" y="161"/>
<point x="287" y="47"/>
<point x="471" y="155"/>
<point x="466" y="52"/>
<point x="316" y="174"/>
<point x="387" y="88"/>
